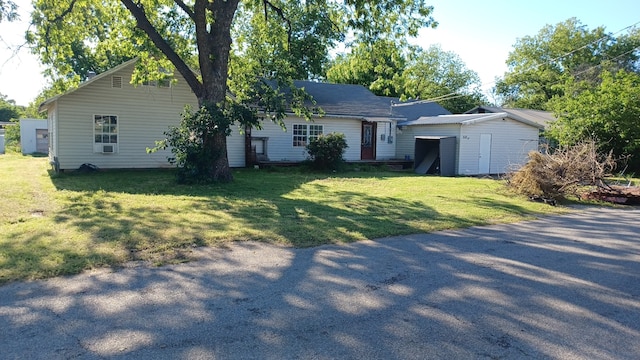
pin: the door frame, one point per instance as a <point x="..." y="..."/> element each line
<point x="368" y="141"/>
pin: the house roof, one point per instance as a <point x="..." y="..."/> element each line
<point x="335" y="99"/>
<point x="537" y="116"/>
<point x="464" y="119"/>
<point x="97" y="77"/>
<point x="348" y="100"/>
<point x="412" y="110"/>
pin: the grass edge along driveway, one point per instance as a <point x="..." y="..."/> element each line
<point x="55" y="225"/>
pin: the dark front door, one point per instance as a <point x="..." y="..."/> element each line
<point x="368" y="143"/>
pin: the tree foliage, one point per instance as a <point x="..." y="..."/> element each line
<point x="73" y="37"/>
<point x="435" y="73"/>
<point x="539" y="65"/>
<point x="9" y="110"/>
<point x="8" y="10"/>
<point x="607" y="112"/>
<point x="391" y="68"/>
<point x="377" y="66"/>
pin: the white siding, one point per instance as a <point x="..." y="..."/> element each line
<point x="144" y="113"/>
<point x="406" y="136"/>
<point x="280" y="144"/>
<point x="386" y="150"/>
<point x="28" y="134"/>
<point x="511" y="141"/>
<point x="52" y="115"/>
<point x="235" y="148"/>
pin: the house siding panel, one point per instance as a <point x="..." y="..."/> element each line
<point x="280" y="144"/>
<point x="511" y="141"/>
<point x="384" y="149"/>
<point x="144" y="113"/>
<point x="406" y="137"/>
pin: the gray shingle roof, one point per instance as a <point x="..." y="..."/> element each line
<point x="347" y="100"/>
<point x="412" y="110"/>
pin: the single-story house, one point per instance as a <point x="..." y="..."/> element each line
<point x="366" y="120"/>
<point x="109" y="122"/>
<point x="34" y="136"/>
<point x="468" y="144"/>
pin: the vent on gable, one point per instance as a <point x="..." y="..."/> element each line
<point x="116" y="82"/>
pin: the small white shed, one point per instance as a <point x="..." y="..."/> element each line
<point x="492" y="143"/>
<point x="34" y="136"/>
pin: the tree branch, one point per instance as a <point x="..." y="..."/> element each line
<point x="56" y="19"/>
<point x="145" y="25"/>
<point x="186" y="9"/>
<point x="268" y="4"/>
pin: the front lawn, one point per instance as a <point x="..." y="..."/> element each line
<point x="52" y="225"/>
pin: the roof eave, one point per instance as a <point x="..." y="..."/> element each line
<point x="43" y="106"/>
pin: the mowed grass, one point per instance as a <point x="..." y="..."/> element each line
<point x="52" y="225"/>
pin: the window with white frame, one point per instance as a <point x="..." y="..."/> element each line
<point x="105" y="133"/>
<point x="303" y="133"/>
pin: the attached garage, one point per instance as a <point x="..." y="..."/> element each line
<point x="492" y="143"/>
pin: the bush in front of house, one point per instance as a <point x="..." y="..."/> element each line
<point x="326" y="151"/>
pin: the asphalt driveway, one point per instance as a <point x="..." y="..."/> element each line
<point x="565" y="287"/>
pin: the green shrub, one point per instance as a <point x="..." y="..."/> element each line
<point x="12" y="137"/>
<point x="326" y="151"/>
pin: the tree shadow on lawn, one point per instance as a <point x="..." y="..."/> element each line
<point x="511" y="291"/>
<point x="246" y="209"/>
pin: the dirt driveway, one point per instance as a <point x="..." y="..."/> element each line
<point x="565" y="287"/>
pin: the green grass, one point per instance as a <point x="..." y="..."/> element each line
<point x="62" y="224"/>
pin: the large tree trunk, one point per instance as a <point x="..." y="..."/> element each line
<point x="214" y="46"/>
<point x="213" y="21"/>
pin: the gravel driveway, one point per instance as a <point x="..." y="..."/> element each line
<point x="562" y="287"/>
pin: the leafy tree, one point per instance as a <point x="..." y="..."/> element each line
<point x="9" y="110"/>
<point x="377" y="66"/>
<point x="539" y="65"/>
<point x="607" y="112"/>
<point x="434" y="73"/>
<point x="8" y="10"/>
<point x="196" y="38"/>
<point x="394" y="68"/>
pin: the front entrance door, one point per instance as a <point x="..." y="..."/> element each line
<point x="368" y="143"/>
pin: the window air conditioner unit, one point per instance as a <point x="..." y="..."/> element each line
<point x="107" y="149"/>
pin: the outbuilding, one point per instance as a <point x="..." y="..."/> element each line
<point x="34" y="136"/>
<point x="490" y="143"/>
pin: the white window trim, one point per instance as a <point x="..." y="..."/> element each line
<point x="99" y="147"/>
<point x="306" y="135"/>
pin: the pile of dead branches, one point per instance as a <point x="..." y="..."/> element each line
<point x="553" y="175"/>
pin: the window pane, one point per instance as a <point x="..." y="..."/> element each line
<point x="98" y="138"/>
<point x="113" y="120"/>
<point x="114" y="139"/>
<point x="105" y="139"/>
<point x="315" y="131"/>
<point x="113" y="129"/>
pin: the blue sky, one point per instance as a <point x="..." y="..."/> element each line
<point x="481" y="32"/>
